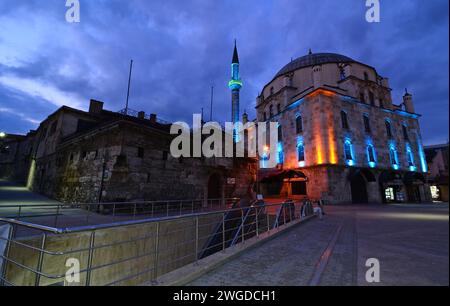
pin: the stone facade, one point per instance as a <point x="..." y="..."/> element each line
<point x="320" y="102"/>
<point x="437" y="160"/>
<point x="101" y="156"/>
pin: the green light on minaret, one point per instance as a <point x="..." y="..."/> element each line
<point x="235" y="84"/>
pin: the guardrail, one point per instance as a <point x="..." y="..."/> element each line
<point x="131" y="252"/>
<point x="91" y="213"/>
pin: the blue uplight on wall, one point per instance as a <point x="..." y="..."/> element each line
<point x="423" y="162"/>
<point x="348" y="152"/>
<point x="280" y="156"/>
<point x="300" y="151"/>
<point x="393" y="156"/>
<point x="410" y="157"/>
<point x="371" y="154"/>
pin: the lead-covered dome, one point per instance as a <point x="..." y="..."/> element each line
<point x="312" y="60"/>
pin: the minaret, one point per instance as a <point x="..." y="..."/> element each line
<point x="235" y="85"/>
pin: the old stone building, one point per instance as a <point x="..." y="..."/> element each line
<point x="437" y="160"/>
<point x="101" y="155"/>
<point x="15" y="156"/>
<point x="341" y="137"/>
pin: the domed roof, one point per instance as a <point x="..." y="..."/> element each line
<point x="313" y="59"/>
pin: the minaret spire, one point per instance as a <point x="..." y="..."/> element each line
<point x="235" y="86"/>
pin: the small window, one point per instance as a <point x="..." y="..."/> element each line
<point x="278" y="108"/>
<point x="367" y="124"/>
<point x="71" y="157"/>
<point x="366" y="76"/>
<point x="371" y="98"/>
<point x="299" y="124"/>
<point x="342" y="73"/>
<point x="271" y="90"/>
<point x="362" y="98"/>
<point x="53" y="127"/>
<point x="271" y="111"/>
<point x="348" y="150"/>
<point x="388" y="129"/>
<point x="301" y="152"/>
<point x="140" y="152"/>
<point x="264" y="116"/>
<point x="371" y="153"/>
<point x="405" y="133"/>
<point x="165" y="155"/>
<point x="83" y="155"/>
<point x="344" y="120"/>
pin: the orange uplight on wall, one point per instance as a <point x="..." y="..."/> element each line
<point x="324" y="92"/>
<point x="332" y="146"/>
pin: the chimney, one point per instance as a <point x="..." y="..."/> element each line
<point x="95" y="107"/>
<point x="141" y="115"/>
<point x="407" y="101"/>
<point x="152" y="118"/>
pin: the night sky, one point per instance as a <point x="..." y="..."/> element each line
<point x="181" y="48"/>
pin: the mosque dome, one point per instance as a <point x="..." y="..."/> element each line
<point x="313" y="59"/>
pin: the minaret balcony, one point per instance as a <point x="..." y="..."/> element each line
<point x="235" y="84"/>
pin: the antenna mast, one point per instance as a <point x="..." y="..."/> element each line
<point x="129" y="83"/>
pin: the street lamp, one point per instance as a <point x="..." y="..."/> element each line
<point x="2" y="134"/>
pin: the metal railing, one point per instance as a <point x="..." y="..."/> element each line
<point x="130" y="252"/>
<point x="77" y="214"/>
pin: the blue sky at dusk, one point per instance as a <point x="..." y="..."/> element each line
<point x="181" y="48"/>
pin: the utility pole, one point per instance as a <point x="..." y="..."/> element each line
<point x="129" y="83"/>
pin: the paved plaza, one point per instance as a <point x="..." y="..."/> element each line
<point x="410" y="241"/>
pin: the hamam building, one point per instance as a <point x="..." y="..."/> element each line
<point x="341" y="137"/>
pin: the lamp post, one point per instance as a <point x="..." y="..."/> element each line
<point x="2" y="134"/>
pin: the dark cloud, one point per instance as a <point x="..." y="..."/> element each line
<point x="181" y="48"/>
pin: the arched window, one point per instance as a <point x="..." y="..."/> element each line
<point x="264" y="116"/>
<point x="344" y="120"/>
<point x="410" y="156"/>
<point x="388" y="129"/>
<point x="393" y="157"/>
<point x="371" y="154"/>
<point x="271" y="90"/>
<point x="271" y="111"/>
<point x="366" y="76"/>
<point x="280" y="153"/>
<point x="405" y="132"/>
<point x="301" y="152"/>
<point x="367" y="124"/>
<point x="280" y="133"/>
<point x="348" y="150"/>
<point x="299" y="124"/>
<point x="362" y="98"/>
<point x="371" y="98"/>
<point x="278" y="108"/>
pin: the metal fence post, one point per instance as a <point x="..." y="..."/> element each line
<point x="155" y="264"/>
<point x="153" y="209"/>
<point x="243" y="225"/>
<point x="283" y="208"/>
<point x="90" y="257"/>
<point x="20" y="211"/>
<point x="40" y="260"/>
<point x="181" y="208"/>
<point x="168" y="203"/>
<point x="256" y="221"/>
<point x="114" y="211"/>
<point x="134" y="211"/>
<point x="268" y="219"/>
<point x="223" y="232"/>
<point x="8" y="248"/>
<point x="57" y="213"/>
<point x="196" y="238"/>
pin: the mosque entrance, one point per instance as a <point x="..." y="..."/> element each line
<point x="359" y="190"/>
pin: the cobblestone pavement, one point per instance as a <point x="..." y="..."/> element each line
<point x="410" y="241"/>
